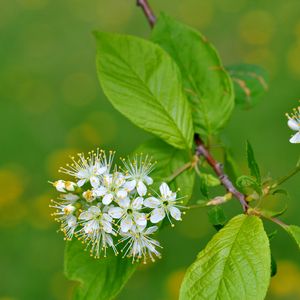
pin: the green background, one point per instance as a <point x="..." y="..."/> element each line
<point x="51" y="106"/>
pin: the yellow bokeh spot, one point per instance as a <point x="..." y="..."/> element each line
<point x="79" y="89"/>
<point x="11" y="186"/>
<point x="84" y="134"/>
<point x="173" y="284"/>
<point x="256" y="28"/>
<point x="13" y="214"/>
<point x="293" y="60"/>
<point x="286" y="281"/>
<point x="59" y="159"/>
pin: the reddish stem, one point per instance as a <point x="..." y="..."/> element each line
<point x="147" y="11"/>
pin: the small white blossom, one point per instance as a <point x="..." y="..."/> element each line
<point x="112" y="188"/>
<point x="139" y="245"/>
<point x="164" y="205"/>
<point x="129" y="213"/>
<point x="89" y="169"/>
<point x="97" y="230"/>
<point x="107" y="201"/>
<point x="294" y="124"/>
<point x="137" y="174"/>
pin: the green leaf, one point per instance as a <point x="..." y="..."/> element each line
<point x="210" y="180"/>
<point x="236" y="264"/>
<point x="273" y="266"/>
<point x="216" y="216"/>
<point x="250" y="83"/>
<point x="252" y="164"/>
<point x="169" y="160"/>
<point x="100" y="279"/>
<point x="294" y="231"/>
<point x="144" y="84"/>
<point x="206" y="82"/>
<point x="248" y="184"/>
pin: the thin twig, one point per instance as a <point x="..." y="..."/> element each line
<point x="147" y="11"/>
<point x="179" y="171"/>
<point x="201" y="150"/>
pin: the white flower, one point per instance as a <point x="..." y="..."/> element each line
<point x="137" y="174"/>
<point x="89" y="169"/>
<point x="139" y="245"/>
<point x="164" y="205"/>
<point x="64" y="215"/>
<point x="294" y="124"/>
<point x="60" y="186"/>
<point x="112" y="188"/>
<point x="128" y="213"/>
<point x="89" y="195"/>
<point x="96" y="231"/>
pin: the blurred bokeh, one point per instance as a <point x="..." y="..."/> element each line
<point x="51" y="106"/>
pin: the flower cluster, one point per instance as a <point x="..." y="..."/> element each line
<point x="108" y="206"/>
<point x="294" y="124"/>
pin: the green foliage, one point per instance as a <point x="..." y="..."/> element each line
<point x="100" y="279"/>
<point x="294" y="231"/>
<point x="209" y="179"/>
<point x="144" y="84"/>
<point x="169" y="160"/>
<point x="235" y="264"/>
<point x="247" y="184"/>
<point x="252" y="164"/>
<point x="216" y="216"/>
<point x="206" y="82"/>
<point x="250" y="83"/>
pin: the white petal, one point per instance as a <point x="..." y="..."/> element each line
<point x="137" y="203"/>
<point x="151" y="229"/>
<point x="107" y="217"/>
<point x="126" y="224"/>
<point x="124" y="203"/>
<point x="100" y="170"/>
<point x="165" y="190"/>
<point x="81" y="182"/>
<point x="70" y="197"/>
<point x="140" y="219"/>
<point x="59" y="185"/>
<point x="107" y="227"/>
<point x="296" y="138"/>
<point x="175" y="213"/>
<point x="141" y="188"/>
<point x="100" y="191"/>
<point x="148" y="180"/>
<point x="293" y="124"/>
<point x="71" y="221"/>
<point x="130" y="185"/>
<point x="116" y="212"/>
<point x="157" y="215"/>
<point x="95" y="210"/>
<point x="95" y="182"/>
<point x="151" y="202"/>
<point x="107" y="199"/>
<point x="85" y="216"/>
<point x="121" y="194"/>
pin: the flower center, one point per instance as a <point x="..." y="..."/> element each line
<point x="129" y="211"/>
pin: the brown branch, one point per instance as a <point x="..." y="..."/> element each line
<point x="147" y="11"/>
<point x="201" y="150"/>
